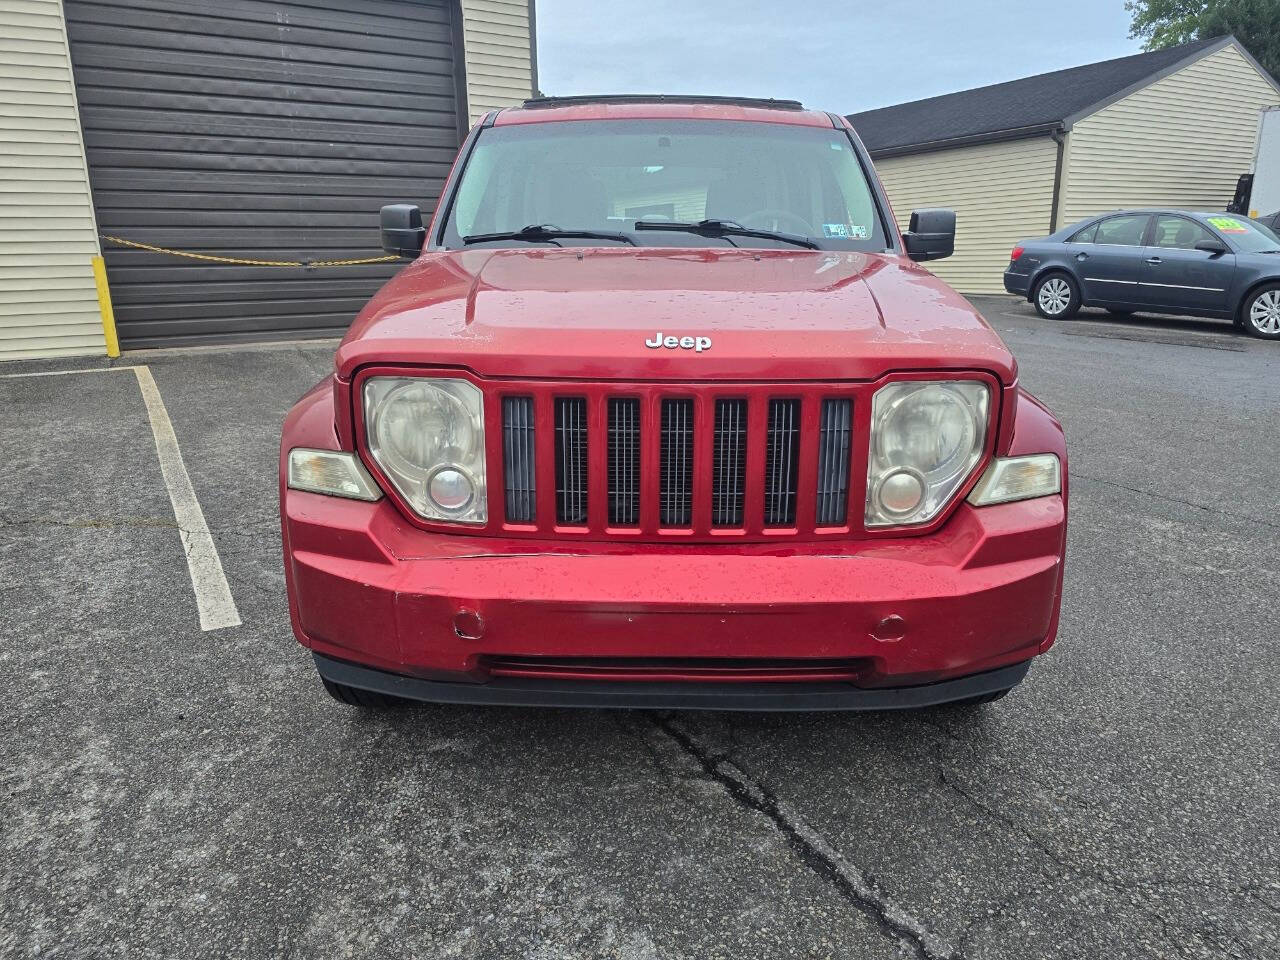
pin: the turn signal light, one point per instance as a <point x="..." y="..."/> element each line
<point x="334" y="473"/>
<point x="1018" y="478"/>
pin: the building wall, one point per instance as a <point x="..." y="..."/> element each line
<point x="212" y="129"/>
<point x="497" y="35"/>
<point x="1001" y="192"/>
<point x="1182" y="142"/>
<point x="48" y="301"/>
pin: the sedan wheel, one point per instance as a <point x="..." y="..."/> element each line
<point x="1056" y="297"/>
<point x="1263" y="313"/>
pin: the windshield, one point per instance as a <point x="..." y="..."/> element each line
<point x="606" y="175"/>
<point x="1247" y="236"/>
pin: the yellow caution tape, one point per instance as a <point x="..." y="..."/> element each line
<point x="245" y="261"/>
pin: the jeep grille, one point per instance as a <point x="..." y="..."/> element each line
<point x="655" y="461"/>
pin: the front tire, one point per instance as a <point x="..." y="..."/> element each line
<point x="1260" y="312"/>
<point x="1056" y="296"/>
<point x="355" y="697"/>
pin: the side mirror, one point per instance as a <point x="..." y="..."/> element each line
<point x="1211" y="246"/>
<point x="402" y="231"/>
<point x="931" y="235"/>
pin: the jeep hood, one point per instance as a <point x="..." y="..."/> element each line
<point x="585" y="313"/>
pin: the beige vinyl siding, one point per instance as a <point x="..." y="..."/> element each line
<point x="48" y="301"/>
<point x="1001" y="193"/>
<point x="499" y="63"/>
<point x="686" y="204"/>
<point x="1181" y="142"/>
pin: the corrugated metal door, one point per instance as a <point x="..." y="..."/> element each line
<point x="259" y="129"/>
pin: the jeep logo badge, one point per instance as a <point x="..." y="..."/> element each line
<point x="696" y="344"/>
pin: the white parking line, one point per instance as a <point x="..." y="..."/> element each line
<point x="63" y="373"/>
<point x="213" y="594"/>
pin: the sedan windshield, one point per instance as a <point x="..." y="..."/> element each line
<point x="1247" y="236"/>
<point x="710" y="183"/>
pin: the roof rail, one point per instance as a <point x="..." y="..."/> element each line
<point x="536" y="103"/>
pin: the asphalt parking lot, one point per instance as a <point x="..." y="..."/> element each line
<point x="168" y="791"/>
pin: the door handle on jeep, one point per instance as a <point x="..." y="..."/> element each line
<point x="1082" y="257"/>
<point x="1154" y="260"/>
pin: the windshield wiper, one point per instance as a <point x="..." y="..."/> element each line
<point x="726" y="229"/>
<point x="548" y="232"/>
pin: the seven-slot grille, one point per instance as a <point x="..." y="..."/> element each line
<point x="654" y="460"/>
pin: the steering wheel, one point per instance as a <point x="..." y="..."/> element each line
<point x="773" y="219"/>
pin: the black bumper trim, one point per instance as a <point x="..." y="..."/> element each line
<point x="512" y="692"/>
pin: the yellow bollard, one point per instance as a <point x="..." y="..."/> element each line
<point x="104" y="304"/>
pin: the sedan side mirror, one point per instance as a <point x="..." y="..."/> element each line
<point x="1211" y="246"/>
<point x="402" y="231"/>
<point x="931" y="235"/>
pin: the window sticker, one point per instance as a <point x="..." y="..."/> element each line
<point x="1228" y="224"/>
<point x="844" y="231"/>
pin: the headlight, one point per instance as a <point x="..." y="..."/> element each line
<point x="427" y="435"/>
<point x="926" y="438"/>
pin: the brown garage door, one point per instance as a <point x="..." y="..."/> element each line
<point x="258" y="129"/>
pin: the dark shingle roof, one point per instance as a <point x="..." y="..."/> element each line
<point x="997" y="111"/>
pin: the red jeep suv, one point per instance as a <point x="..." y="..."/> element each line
<point x="664" y="413"/>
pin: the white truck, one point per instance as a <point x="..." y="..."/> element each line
<point x="1264" y="199"/>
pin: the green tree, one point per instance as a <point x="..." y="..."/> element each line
<point x="1167" y="23"/>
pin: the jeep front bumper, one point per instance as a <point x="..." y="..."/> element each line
<point x="553" y="623"/>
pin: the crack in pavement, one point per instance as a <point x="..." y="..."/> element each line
<point x="1003" y="908"/>
<point x="1000" y="817"/>
<point x="1256" y="896"/>
<point x="624" y="726"/>
<point x="719" y="765"/>
<point x="1077" y="476"/>
<point x="1175" y="933"/>
<point x="320" y="365"/>
<point x="91" y="523"/>
<point x="853" y="884"/>
<point x="248" y="529"/>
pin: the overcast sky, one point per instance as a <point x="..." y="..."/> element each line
<point x="841" y="55"/>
